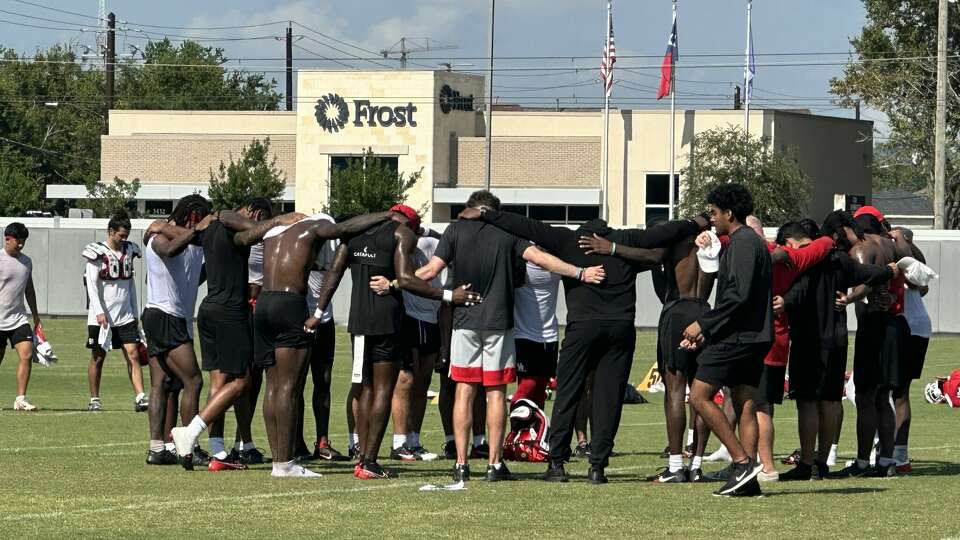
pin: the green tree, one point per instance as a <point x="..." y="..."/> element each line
<point x="253" y="175"/>
<point x="105" y="199"/>
<point x="21" y="181"/>
<point x="162" y="81"/>
<point x="893" y="168"/>
<point x="368" y="184"/>
<point x="896" y="75"/>
<point x="721" y="155"/>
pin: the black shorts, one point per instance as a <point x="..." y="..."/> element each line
<point x="324" y="344"/>
<point x="536" y="359"/>
<point x="732" y="364"/>
<point x="880" y="356"/>
<point x="164" y="332"/>
<point x="17" y="335"/>
<point x="421" y="336"/>
<point x="917" y="352"/>
<point x="278" y="320"/>
<point x="226" y="339"/>
<point x="770" y="389"/>
<point x="122" y="335"/>
<point x="674" y="319"/>
<point x="817" y="373"/>
<point x="383" y="348"/>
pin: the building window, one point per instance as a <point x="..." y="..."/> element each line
<point x="339" y="163"/>
<point x="157" y="208"/>
<point x="658" y="195"/>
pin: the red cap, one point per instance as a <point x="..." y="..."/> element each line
<point x="869" y="210"/>
<point x="409" y="213"/>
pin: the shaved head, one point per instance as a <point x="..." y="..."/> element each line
<point x="754" y="223"/>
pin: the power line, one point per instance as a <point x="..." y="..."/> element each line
<point x="320" y="56"/>
<point x="84" y="15"/>
<point x="354" y="57"/>
<point x="38" y="149"/>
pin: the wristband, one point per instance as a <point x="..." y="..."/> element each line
<point x="613" y="249"/>
<point x="318" y="313"/>
<point x="579" y="274"/>
<point x="394" y="284"/>
<point x="447" y="296"/>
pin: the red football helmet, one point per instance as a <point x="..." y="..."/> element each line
<point x="527" y="440"/>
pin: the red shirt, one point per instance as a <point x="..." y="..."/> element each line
<point x="803" y="259"/>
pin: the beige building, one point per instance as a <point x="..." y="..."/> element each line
<point x="546" y="163"/>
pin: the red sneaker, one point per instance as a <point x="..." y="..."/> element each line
<point x="371" y="471"/>
<point x="905" y="468"/>
<point x="218" y="465"/>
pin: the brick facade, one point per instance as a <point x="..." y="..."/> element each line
<point x="529" y="162"/>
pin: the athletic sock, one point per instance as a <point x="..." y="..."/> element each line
<point x="399" y="440"/>
<point x="497" y="466"/>
<point x="354" y="439"/>
<point x="477" y="440"/>
<point x="413" y="438"/>
<point x="170" y="446"/>
<point x="21" y="397"/>
<point x="156" y="446"/>
<point x="196" y="427"/>
<point x="448" y="438"/>
<point x="138" y="397"/>
<point x="676" y="462"/>
<point x="247" y="446"/>
<point x="217" y="449"/>
<point x="689" y="437"/>
<point x="900" y="454"/>
<point x="94" y="399"/>
<point x="696" y="462"/>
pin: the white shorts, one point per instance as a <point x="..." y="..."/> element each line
<point x="487" y="357"/>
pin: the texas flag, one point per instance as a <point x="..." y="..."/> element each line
<point x="669" y="60"/>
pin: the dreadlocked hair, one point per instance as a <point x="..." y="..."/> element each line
<point x="190" y="207"/>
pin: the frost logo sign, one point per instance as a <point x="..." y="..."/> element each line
<point x="333" y="112"/>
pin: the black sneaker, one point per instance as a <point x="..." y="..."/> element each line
<point x="820" y="471"/>
<point x="667" y="477"/>
<point x="496" y="475"/>
<point x="404" y="453"/>
<point x="141" y="405"/>
<point x="449" y="450"/>
<point x="371" y="470"/>
<point x="481" y="451"/>
<point x="555" y="472"/>
<point x="200" y="458"/>
<point x="792" y="459"/>
<point x="885" y="471"/>
<point x="423" y="454"/>
<point x="302" y="454"/>
<point x="461" y="472"/>
<point x="595" y="475"/>
<point x="719" y="476"/>
<point x="802" y="471"/>
<point x="666" y="452"/>
<point x="233" y="456"/>
<point x="695" y="475"/>
<point x="323" y="450"/>
<point x="163" y="457"/>
<point x="252" y="456"/>
<point x="353" y="452"/>
<point x="750" y="489"/>
<point x="582" y="450"/>
<point x="742" y="473"/>
<point x="854" y="471"/>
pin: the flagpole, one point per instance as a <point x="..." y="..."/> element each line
<point x="605" y="174"/>
<point x="746" y="69"/>
<point x="673" y="122"/>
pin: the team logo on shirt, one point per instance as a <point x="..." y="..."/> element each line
<point x="364" y="254"/>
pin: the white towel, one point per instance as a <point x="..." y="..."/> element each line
<point x="709" y="257"/>
<point x="359" y="354"/>
<point x="282" y="228"/>
<point x="105" y="338"/>
<point x="916" y="272"/>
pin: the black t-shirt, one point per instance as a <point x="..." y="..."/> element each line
<point x="490" y="260"/>
<point x="371" y="254"/>
<point x="226" y="265"/>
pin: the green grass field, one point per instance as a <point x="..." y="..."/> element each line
<point x="69" y="473"/>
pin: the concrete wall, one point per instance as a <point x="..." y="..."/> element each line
<point x="530" y="162"/>
<point x="58" y="270"/>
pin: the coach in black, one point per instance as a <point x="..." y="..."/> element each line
<point x="600" y="331"/>
<point x="736" y="335"/>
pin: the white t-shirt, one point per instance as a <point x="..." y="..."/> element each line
<point x="916" y="314"/>
<point x="172" y="283"/>
<point x="418" y="307"/>
<point x="110" y="286"/>
<point x="535" y="306"/>
<point x="315" y="281"/>
<point x="14" y="276"/>
<point x="255" y="265"/>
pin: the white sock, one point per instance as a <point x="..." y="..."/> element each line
<point x="689" y="437"/>
<point x="217" y="447"/>
<point x="170" y="446"/>
<point x="94" y="399"/>
<point x="900" y="453"/>
<point x="156" y="446"/>
<point x="196" y="427"/>
<point x="448" y="438"/>
<point x="497" y="466"/>
<point x="696" y="462"/>
<point x="354" y="439"/>
<point x="676" y="462"/>
<point x="247" y="446"/>
<point x="399" y="440"/>
<point x="413" y="438"/>
<point x="140" y="396"/>
<point x="477" y="440"/>
<point x="24" y="396"/>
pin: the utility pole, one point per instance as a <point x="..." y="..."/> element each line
<point x="109" y="64"/>
<point x="940" y="142"/>
<point x="493" y="9"/>
<point x="289" y="95"/>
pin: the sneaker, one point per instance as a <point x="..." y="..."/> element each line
<point x="353" y="452"/>
<point x="23" y="404"/>
<point x="719" y="476"/>
<point x="461" y="472"/>
<point x="720" y="455"/>
<point x="854" y="470"/>
<point x="595" y="475"/>
<point x="884" y="471"/>
<point x="497" y="475"/>
<point x="404" y="453"/>
<point x="371" y="470"/>
<point x="792" y="459"/>
<point x="163" y="457"/>
<point x="742" y="473"/>
<point x="801" y="472"/>
<point x="233" y="456"/>
<point x="200" y="457"/>
<point x="448" y="450"/>
<point x="768" y="476"/>
<point x="667" y="477"/>
<point x="423" y="454"/>
<point x="302" y="454"/>
<point x="182" y="440"/>
<point x="94" y="405"/>
<point x="481" y="451"/>
<point x="695" y="475"/>
<point x="323" y="450"/>
<point x="141" y="404"/>
<point x="555" y="472"/>
<point x="750" y="489"/>
<point x="904" y="468"/>
<point x="582" y="450"/>
<point x="666" y="452"/>
<point x="252" y="456"/>
<point x="217" y="465"/>
<point x="821" y="471"/>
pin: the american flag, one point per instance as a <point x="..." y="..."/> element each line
<point x="609" y="59"/>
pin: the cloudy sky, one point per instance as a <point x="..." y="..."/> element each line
<point x="563" y="37"/>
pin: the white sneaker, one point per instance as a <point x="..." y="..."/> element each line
<point x="768" y="476"/>
<point x="181" y="440"/>
<point x="296" y="471"/>
<point x="22" y="404"/>
<point x="720" y="455"/>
